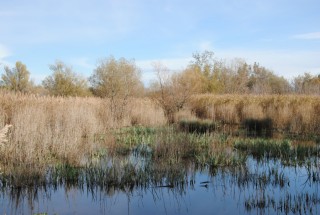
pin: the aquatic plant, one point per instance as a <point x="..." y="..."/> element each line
<point x="253" y="183"/>
<point x="214" y="160"/>
<point x="135" y="135"/>
<point x="289" y="153"/>
<point x="264" y="147"/>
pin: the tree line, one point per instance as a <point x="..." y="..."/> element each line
<point x="114" y="78"/>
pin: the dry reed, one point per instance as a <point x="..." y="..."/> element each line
<point x="290" y="113"/>
<point x="49" y="129"/>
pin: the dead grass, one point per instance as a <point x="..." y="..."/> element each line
<point x="47" y="129"/>
<point x="290" y="113"/>
<point x="144" y="112"/>
<point x="51" y="129"/>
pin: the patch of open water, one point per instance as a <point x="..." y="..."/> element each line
<point x="259" y="187"/>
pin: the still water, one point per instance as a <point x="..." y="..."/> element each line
<point x="259" y="187"/>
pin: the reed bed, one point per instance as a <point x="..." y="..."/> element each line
<point x="70" y="129"/>
<point x="50" y="129"/>
<point x="46" y="142"/>
<point x="298" y="114"/>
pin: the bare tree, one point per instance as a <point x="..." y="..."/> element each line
<point x="307" y="84"/>
<point x="172" y="91"/>
<point x="264" y="81"/>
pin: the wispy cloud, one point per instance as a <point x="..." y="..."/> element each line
<point x="308" y="36"/>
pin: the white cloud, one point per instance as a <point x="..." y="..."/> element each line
<point x="308" y="36"/>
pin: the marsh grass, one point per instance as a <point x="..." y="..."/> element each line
<point x="173" y="145"/>
<point x="284" y="149"/>
<point x="215" y="160"/>
<point x="47" y="130"/>
<point x="130" y="175"/>
<point x="296" y="114"/>
<point x="51" y="129"/>
<point x="209" y="149"/>
<point x="264" y="147"/>
<point x="22" y="176"/>
<point x="75" y="141"/>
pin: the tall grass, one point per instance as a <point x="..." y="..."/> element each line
<point x="290" y="113"/>
<point x="46" y="129"/>
<point x="50" y="129"/>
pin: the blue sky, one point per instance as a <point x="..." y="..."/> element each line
<point x="281" y="35"/>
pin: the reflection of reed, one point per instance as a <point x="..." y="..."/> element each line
<point x="261" y="185"/>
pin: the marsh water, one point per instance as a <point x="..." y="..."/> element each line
<point x="264" y="186"/>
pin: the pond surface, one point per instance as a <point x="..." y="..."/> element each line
<point x="259" y="187"/>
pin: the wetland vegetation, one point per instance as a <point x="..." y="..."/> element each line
<point x="72" y="147"/>
<point x="218" y="136"/>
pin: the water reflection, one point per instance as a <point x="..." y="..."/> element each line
<point x="134" y="185"/>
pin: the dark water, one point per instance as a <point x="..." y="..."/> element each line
<point x="259" y="187"/>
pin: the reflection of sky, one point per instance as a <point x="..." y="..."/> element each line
<point x="223" y="195"/>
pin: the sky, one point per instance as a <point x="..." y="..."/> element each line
<point x="281" y="35"/>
